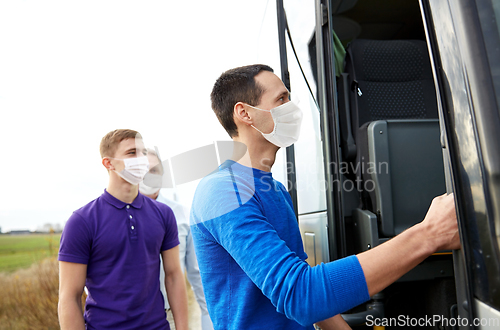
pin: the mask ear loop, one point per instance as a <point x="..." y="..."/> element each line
<point x="251" y="106"/>
<point x="274" y="121"/>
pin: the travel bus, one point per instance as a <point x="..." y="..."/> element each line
<point x="401" y="104"/>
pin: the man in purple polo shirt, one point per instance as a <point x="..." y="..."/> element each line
<point x="112" y="246"/>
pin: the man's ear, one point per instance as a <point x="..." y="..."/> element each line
<point x="241" y="114"/>
<point x="107" y="164"/>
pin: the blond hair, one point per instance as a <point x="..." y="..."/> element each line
<point x="110" y="141"/>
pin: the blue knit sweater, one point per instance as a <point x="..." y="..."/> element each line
<point x="252" y="261"/>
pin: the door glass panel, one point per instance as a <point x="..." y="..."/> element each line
<point x="311" y="184"/>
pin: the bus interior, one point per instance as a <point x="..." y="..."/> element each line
<point x="384" y="146"/>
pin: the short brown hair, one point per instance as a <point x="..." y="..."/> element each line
<point x="233" y="86"/>
<point x="110" y="141"/>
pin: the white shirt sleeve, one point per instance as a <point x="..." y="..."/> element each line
<point x="188" y="259"/>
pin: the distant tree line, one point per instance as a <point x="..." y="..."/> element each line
<point x="45" y="229"/>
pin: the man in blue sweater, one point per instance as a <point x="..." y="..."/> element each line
<point x="247" y="241"/>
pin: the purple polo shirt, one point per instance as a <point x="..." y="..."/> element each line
<point x="121" y="243"/>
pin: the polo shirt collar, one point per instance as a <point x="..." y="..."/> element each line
<point x="137" y="203"/>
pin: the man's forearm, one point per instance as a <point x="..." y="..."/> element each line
<point x="386" y="263"/>
<point x="175" y="285"/>
<point x="70" y="315"/>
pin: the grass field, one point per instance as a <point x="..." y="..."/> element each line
<point x="20" y="251"/>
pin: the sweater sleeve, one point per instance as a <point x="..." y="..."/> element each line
<point x="304" y="294"/>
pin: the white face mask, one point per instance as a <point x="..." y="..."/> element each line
<point x="147" y="190"/>
<point x="287" y="120"/>
<point x="135" y="169"/>
<point x="151" y="184"/>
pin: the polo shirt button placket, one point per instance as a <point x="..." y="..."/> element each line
<point x="132" y="231"/>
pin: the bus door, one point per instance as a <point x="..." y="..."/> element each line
<point x="429" y="71"/>
<point x="464" y="40"/>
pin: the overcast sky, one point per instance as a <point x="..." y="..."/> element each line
<point x="70" y="72"/>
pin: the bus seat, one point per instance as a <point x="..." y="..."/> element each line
<point x="384" y="79"/>
<point x="402" y="169"/>
<point x="389" y="129"/>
